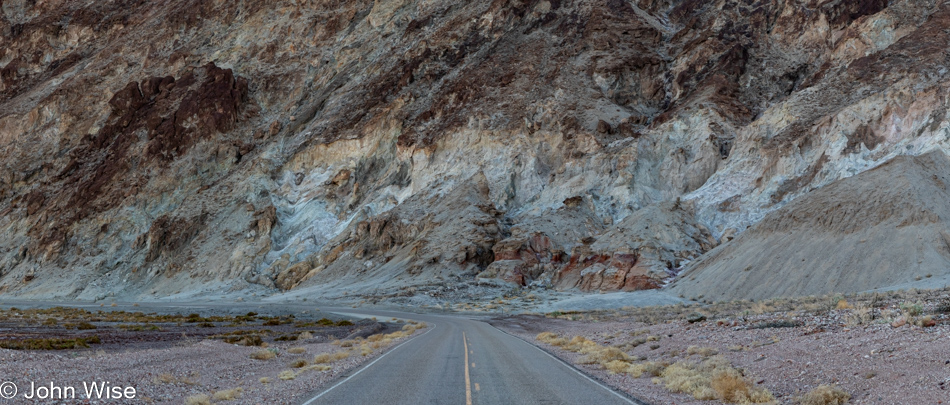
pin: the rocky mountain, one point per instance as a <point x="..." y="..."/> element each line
<point x="169" y="148"/>
<point x="884" y="227"/>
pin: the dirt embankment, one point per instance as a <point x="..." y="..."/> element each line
<point x="880" y="228"/>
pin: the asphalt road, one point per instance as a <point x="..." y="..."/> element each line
<point x="456" y="360"/>
<point x="462" y="361"/>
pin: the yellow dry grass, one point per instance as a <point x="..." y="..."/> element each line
<point x="200" y="399"/>
<point x="702" y="351"/>
<point x="327" y="358"/>
<point x="714" y="378"/>
<point x="167" y="378"/>
<point x="603" y="355"/>
<point x="551" y="339"/>
<point x="263" y="355"/>
<point x="580" y="344"/>
<point x="825" y="395"/>
<point x="287" y="375"/>
<point x="296" y="350"/>
<point x="651" y="368"/>
<point x="339" y="356"/>
<point x="318" y="367"/>
<point x="617" y="366"/>
<point x="228" y="395"/>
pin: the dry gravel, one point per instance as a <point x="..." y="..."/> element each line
<point x="876" y="364"/>
<point x="209" y="365"/>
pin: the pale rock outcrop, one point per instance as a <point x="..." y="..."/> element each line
<point x="158" y="148"/>
<point x="883" y="227"/>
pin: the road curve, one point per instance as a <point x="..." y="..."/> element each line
<point x="434" y="368"/>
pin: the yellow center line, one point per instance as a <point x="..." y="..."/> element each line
<point x="468" y="379"/>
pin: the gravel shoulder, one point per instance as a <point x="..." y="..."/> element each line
<point x="874" y="353"/>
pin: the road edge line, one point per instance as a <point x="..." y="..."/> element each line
<point x="366" y="367"/>
<point x="623" y="395"/>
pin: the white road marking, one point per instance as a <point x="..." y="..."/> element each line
<point x="364" y="368"/>
<point x="563" y="363"/>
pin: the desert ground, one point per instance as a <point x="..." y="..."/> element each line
<point x="873" y="348"/>
<point x="870" y="348"/>
<point x="197" y="358"/>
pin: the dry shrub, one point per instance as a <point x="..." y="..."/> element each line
<point x="843" y="304"/>
<point x="714" y="378"/>
<point x="287" y="375"/>
<point x="702" y="351"/>
<point x="346" y="343"/>
<point x="263" y="355"/>
<point x="825" y="395"/>
<point x="339" y="356"/>
<point x="685" y="378"/>
<point x="228" y="395"/>
<point x="730" y="387"/>
<point x="253" y="340"/>
<point x="861" y="316"/>
<point x="265" y="380"/>
<point x="551" y="339"/>
<point x="305" y="335"/>
<point x="633" y="343"/>
<point x="165" y="378"/>
<point x="298" y="363"/>
<point x="318" y="367"/>
<point x="327" y="358"/>
<point x="604" y="355"/>
<point x="579" y="344"/>
<point x="200" y="399"/>
<point x="365" y="350"/>
<point x="925" y="321"/>
<point x="296" y="350"/>
<point x="617" y="366"/>
<point x="652" y="368"/>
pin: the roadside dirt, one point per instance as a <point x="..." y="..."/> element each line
<point x="880" y="349"/>
<point x="171" y="358"/>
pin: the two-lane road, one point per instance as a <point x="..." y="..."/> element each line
<point x="462" y="361"/>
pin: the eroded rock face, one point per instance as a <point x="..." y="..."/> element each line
<point x="154" y="147"/>
<point x="848" y="237"/>
<point x="641" y="252"/>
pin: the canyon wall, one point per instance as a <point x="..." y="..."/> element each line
<point x="170" y="148"/>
